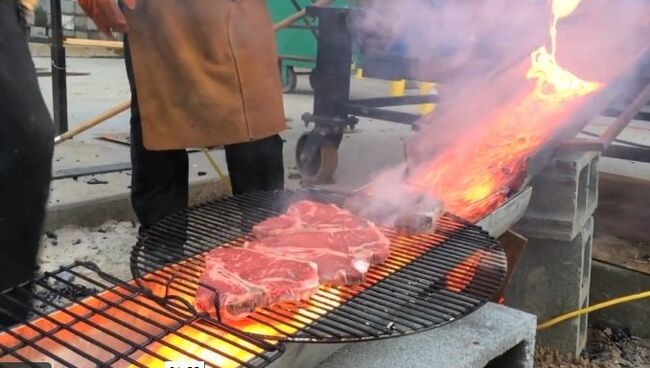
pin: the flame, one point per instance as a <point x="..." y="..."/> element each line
<point x="476" y="175"/>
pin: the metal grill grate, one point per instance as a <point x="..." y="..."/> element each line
<point x="429" y="280"/>
<point x="117" y="327"/>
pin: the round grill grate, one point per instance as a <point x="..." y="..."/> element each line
<point x="428" y="281"/>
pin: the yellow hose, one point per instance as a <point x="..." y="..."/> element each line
<point x="216" y="168"/>
<point x="607" y="304"/>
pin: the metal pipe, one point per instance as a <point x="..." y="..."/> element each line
<point x="626" y="116"/>
<point x="606" y="139"/>
<point x="57" y="55"/>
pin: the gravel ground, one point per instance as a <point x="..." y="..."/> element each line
<point x="108" y="246"/>
<point x="606" y="348"/>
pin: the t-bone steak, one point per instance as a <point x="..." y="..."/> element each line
<point x="246" y="279"/>
<point x="310" y="216"/>
<point x="340" y="256"/>
<point x="311" y="228"/>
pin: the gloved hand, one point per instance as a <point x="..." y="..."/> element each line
<point x="106" y="14"/>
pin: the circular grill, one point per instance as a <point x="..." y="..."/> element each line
<point x="429" y="280"/>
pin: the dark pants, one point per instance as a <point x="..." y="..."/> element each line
<point x="160" y="178"/>
<point x="26" y="145"/>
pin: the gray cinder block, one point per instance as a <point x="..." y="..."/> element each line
<point x="38" y="32"/>
<point x="494" y="336"/>
<point x="78" y="10"/>
<point x="90" y="25"/>
<point x="565" y="196"/>
<point x="553" y="277"/>
<point x="67" y="6"/>
<point x="80" y="23"/>
<point x="67" y="22"/>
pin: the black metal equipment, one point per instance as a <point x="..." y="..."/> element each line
<point x="428" y="281"/>
<point x="59" y="82"/>
<point x="118" y="326"/>
<point x="316" y="151"/>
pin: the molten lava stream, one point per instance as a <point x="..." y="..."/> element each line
<point x="479" y="170"/>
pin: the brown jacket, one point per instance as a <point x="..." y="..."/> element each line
<point x="206" y="72"/>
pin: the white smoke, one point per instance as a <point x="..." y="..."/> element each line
<point x="477" y="49"/>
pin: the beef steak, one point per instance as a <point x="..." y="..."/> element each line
<point x="246" y="279"/>
<point x="308" y="216"/>
<point x="344" y="244"/>
<point x="337" y="263"/>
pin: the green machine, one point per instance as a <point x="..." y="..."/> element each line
<point x="297" y="43"/>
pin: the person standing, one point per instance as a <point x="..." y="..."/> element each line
<point x="202" y="74"/>
<point x="26" y="148"/>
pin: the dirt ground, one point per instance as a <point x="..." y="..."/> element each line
<point x="108" y="245"/>
<point x="606" y="348"/>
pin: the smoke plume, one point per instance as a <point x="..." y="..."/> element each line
<point x="480" y="51"/>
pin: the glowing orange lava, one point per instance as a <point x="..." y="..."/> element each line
<point x="475" y="175"/>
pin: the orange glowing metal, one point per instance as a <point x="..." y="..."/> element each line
<point x="287" y="317"/>
<point x="320" y="304"/>
<point x="474" y="176"/>
<point x="461" y="276"/>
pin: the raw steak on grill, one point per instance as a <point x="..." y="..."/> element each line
<point x="340" y="256"/>
<point x="309" y="215"/>
<point x="246" y="279"/>
<point x="361" y="237"/>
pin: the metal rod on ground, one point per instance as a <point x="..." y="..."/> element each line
<point x="624" y="119"/>
<point x="216" y="168"/>
<point x="122" y="106"/>
<point x="286" y="22"/>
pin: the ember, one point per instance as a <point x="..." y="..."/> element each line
<point x="476" y="174"/>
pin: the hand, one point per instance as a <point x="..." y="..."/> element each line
<point x="106" y="15"/>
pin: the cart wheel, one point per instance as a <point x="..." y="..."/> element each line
<point x="289" y="80"/>
<point x="319" y="169"/>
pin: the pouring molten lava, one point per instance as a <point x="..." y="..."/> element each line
<point x="477" y="173"/>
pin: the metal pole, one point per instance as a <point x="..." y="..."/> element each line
<point x="59" y="88"/>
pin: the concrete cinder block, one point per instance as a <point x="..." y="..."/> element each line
<point x="493" y="336"/>
<point x="78" y="10"/>
<point x="67" y="6"/>
<point x="81" y="34"/>
<point x="38" y="32"/>
<point x="565" y="196"/>
<point x="67" y="22"/>
<point x="80" y="23"/>
<point x="68" y="33"/>
<point x="94" y="35"/>
<point x="90" y="25"/>
<point x="552" y="278"/>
